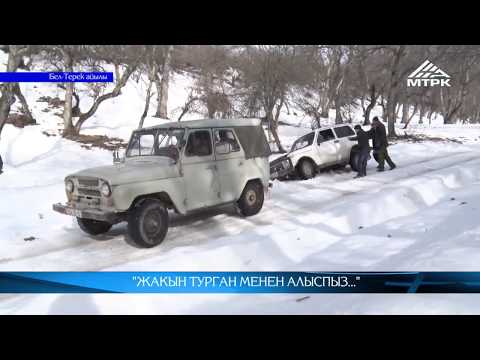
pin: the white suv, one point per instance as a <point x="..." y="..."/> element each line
<point x="324" y="147"/>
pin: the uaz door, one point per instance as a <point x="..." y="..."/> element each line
<point x="199" y="170"/>
<point x="230" y="164"/>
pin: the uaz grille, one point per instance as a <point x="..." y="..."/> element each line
<point x="88" y="182"/>
<point x="89" y="192"/>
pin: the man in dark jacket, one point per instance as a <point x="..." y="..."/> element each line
<point x="364" y="150"/>
<point x="380" y="144"/>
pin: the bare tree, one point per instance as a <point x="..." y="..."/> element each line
<point x="9" y="90"/>
<point x="76" y="55"/>
<point x="268" y="72"/>
<point x="120" y="83"/>
<point x="162" y="82"/>
<point x="152" y="72"/>
<point x="465" y="60"/>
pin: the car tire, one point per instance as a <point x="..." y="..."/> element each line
<point x="251" y="200"/>
<point x="148" y="223"/>
<point x="340" y="166"/>
<point x="93" y="227"/>
<point x="306" y="169"/>
<point x="354" y="159"/>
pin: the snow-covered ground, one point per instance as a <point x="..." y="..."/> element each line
<point x="421" y="216"/>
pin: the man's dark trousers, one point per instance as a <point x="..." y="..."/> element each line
<point x="383" y="156"/>
<point x="363" y="156"/>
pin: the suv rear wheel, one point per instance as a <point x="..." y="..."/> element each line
<point x="148" y="223"/>
<point x="251" y="200"/>
<point x="354" y="158"/>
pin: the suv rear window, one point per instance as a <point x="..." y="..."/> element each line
<point x="344" y="131"/>
<point x="304" y="141"/>
<point x="325" y="135"/>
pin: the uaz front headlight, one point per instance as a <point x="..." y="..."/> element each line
<point x="69" y="186"/>
<point x="106" y="190"/>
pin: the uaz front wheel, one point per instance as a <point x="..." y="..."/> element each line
<point x="93" y="227"/>
<point x="148" y="223"/>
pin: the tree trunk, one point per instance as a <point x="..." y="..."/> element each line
<point x="448" y="118"/>
<point x="371" y="105"/>
<point x="325" y="106"/>
<point x="324" y="113"/>
<point x="422" y="113"/>
<point x="397" y="110"/>
<point x="392" y="96"/>
<point x="430" y="117"/>
<point x="6" y="102"/>
<point x="338" y="114"/>
<point x="367" y="114"/>
<point x="274" y="124"/>
<point x="121" y="82"/>
<point x="273" y="128"/>
<point x="384" y="108"/>
<point x="8" y="89"/>
<point x="162" y="86"/>
<point x="23" y="101"/>
<point x="391" y="117"/>
<point x="147" y="105"/>
<point x="409" y="118"/>
<point x="158" y="86"/>
<point x="405" y="107"/>
<point x="68" y="128"/>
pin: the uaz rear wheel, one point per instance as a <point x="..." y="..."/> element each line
<point x="251" y="200"/>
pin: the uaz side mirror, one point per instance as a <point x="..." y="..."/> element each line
<point x="118" y="157"/>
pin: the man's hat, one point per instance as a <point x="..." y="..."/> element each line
<point x="357" y="127"/>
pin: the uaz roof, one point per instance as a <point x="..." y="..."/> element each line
<point x="206" y="123"/>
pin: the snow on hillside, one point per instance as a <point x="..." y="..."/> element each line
<point x="421" y="216"/>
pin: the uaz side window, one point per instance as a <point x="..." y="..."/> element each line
<point x="226" y="136"/>
<point x="199" y="144"/>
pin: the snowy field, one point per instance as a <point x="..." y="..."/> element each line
<point x="423" y="216"/>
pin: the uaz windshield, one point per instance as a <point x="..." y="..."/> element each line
<point x="163" y="142"/>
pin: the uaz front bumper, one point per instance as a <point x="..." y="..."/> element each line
<point x="88" y="213"/>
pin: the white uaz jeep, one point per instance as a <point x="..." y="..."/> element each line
<point x="182" y="166"/>
<point x="324" y="147"/>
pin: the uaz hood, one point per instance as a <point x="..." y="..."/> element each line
<point x="133" y="170"/>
